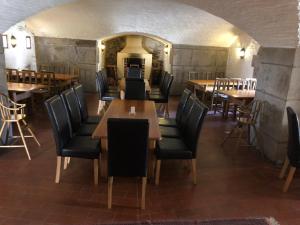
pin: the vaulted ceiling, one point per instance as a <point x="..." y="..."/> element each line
<point x="271" y="23"/>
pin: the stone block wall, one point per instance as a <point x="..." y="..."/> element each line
<point x="277" y="87"/>
<point x="187" y="58"/>
<point x="71" y="53"/>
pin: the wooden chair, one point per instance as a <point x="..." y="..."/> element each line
<point x="293" y="151"/>
<point x="28" y="76"/>
<point x="12" y="112"/>
<point x="12" y="75"/>
<point x="217" y="98"/>
<point x="247" y="116"/>
<point x="251" y="83"/>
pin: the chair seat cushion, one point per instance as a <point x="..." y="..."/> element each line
<point x="93" y="120"/>
<point x="82" y="147"/>
<point x="86" y="129"/>
<point x="172" y="148"/>
<point x="167" y="122"/>
<point x="171" y="132"/>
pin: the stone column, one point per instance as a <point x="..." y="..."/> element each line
<point x="278" y="85"/>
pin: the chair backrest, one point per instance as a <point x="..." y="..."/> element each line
<point x="182" y="103"/>
<point x="99" y="85"/>
<point x="194" y="125"/>
<point x="103" y="76"/>
<point x="167" y="86"/>
<point x="9" y="110"/>
<point x="293" y="140"/>
<point x="186" y="110"/>
<point x="127" y="147"/>
<point x="12" y="75"/>
<point x="135" y="89"/>
<point x="78" y="89"/>
<point x="60" y="122"/>
<point x="251" y="83"/>
<point x="134" y="72"/>
<point x="28" y="76"/>
<point x="162" y="79"/>
<point x="71" y="103"/>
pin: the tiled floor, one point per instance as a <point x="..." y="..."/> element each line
<point x="230" y="184"/>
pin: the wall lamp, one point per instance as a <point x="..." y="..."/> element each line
<point x="166" y="49"/>
<point x="102" y="46"/>
<point x="13" y="41"/>
<point x="242" y="53"/>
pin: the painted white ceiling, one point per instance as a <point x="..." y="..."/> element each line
<point x="272" y="23"/>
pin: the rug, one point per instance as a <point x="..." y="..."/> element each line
<point x="247" y="221"/>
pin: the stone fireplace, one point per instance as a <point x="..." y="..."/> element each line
<point x="134" y="55"/>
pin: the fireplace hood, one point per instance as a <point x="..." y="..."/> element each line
<point x="134" y="44"/>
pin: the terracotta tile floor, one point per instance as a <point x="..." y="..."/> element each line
<point x="230" y="184"/>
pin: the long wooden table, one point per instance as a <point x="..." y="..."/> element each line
<point x="238" y="97"/>
<point x="120" y="109"/>
<point x="21" y="91"/>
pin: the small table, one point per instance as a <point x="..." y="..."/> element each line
<point x="24" y="88"/>
<point x="236" y="96"/>
<point x="120" y="109"/>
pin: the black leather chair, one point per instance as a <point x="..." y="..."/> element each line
<point x="293" y="151"/>
<point x="161" y="83"/>
<point x="135" y="89"/>
<point x="107" y="88"/>
<point x="163" y="98"/>
<point x="134" y="72"/>
<point x="176" y="132"/>
<point x="67" y="144"/>
<point x="127" y="151"/>
<point x="85" y="118"/>
<point x="71" y="103"/>
<point x="185" y="147"/>
<point x="170" y="122"/>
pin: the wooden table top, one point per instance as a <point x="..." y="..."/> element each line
<point x="239" y="94"/>
<point x="122" y="84"/>
<point x="23" y="87"/>
<point x="120" y="109"/>
<point x="202" y="82"/>
<point x="65" y="77"/>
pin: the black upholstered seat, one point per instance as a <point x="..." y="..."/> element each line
<point x="78" y="89"/>
<point x="170" y="122"/>
<point x="135" y="89"/>
<point x="186" y="146"/>
<point x="127" y="151"/>
<point x="293" y="151"/>
<point x="176" y="132"/>
<point x="161" y="83"/>
<point x="71" y="103"/>
<point x="68" y="144"/>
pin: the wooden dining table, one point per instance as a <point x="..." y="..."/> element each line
<point x="236" y="97"/>
<point x="20" y="91"/>
<point x="120" y="109"/>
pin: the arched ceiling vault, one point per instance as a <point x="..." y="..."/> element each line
<point x="271" y="23"/>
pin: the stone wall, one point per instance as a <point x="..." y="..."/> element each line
<point x="71" y="53"/>
<point x="277" y="87"/>
<point x="187" y="58"/>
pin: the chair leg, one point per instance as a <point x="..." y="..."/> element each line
<point x="239" y="138"/>
<point x="96" y="171"/>
<point x="284" y="168"/>
<point x="194" y="169"/>
<point x="99" y="107"/>
<point x="157" y="174"/>
<point x="228" y="136"/>
<point x="32" y="134"/>
<point x="110" y="183"/>
<point x="65" y="163"/>
<point x="166" y="112"/>
<point x="143" y="200"/>
<point x="23" y="139"/>
<point x="69" y="160"/>
<point x="2" y="128"/>
<point x="58" y="166"/>
<point x="289" y="179"/>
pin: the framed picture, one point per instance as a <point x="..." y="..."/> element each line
<point x="28" y="42"/>
<point x="5" y="41"/>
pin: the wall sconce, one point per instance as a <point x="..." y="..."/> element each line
<point x="242" y="53"/>
<point x="166" y="49"/>
<point x="28" y="42"/>
<point x="102" y="47"/>
<point x="5" y="41"/>
<point x="13" y="41"/>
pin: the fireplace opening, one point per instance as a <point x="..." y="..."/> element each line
<point x="134" y="67"/>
